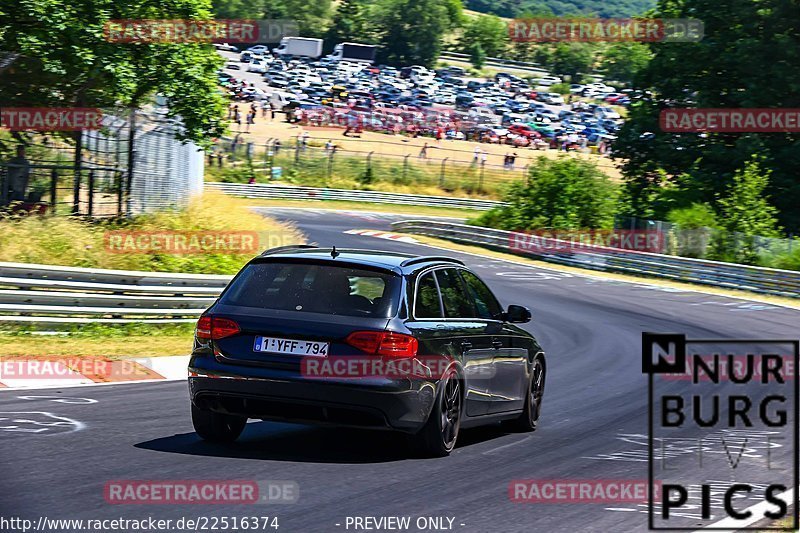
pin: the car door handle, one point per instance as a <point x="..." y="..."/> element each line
<point x="496" y="344"/>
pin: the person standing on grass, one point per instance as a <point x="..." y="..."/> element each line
<point x="237" y="118"/>
<point x="423" y="154"/>
<point x="251" y="119"/>
<point x="276" y="146"/>
<point x="512" y="159"/>
<point x="476" y="154"/>
<point x="266" y="107"/>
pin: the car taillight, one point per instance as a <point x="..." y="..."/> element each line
<point x="385" y="343"/>
<point x="215" y="328"/>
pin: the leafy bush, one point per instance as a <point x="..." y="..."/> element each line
<point x="562" y="193"/>
<point x="560" y="88"/>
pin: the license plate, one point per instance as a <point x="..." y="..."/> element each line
<point x="290" y="346"/>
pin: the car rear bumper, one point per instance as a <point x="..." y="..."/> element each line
<point x="267" y="394"/>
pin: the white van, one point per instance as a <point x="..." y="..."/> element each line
<point x="279" y="100"/>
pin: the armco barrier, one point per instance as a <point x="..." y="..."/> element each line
<point x="728" y="275"/>
<point x="291" y="192"/>
<point x="46" y="294"/>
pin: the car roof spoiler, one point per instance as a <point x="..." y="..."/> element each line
<point x="287" y="248"/>
<point x="428" y="258"/>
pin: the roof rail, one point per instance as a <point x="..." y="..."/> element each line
<point x="427" y="258"/>
<point x="287" y="248"/>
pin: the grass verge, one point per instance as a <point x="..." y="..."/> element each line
<point x="67" y="241"/>
<point x="340" y="205"/>
<point x="99" y="340"/>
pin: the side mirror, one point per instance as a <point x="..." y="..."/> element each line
<point x="518" y="314"/>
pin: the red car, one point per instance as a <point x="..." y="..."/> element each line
<point x="524" y="130"/>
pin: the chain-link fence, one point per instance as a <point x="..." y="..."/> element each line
<point x="330" y="165"/>
<point x="106" y="172"/>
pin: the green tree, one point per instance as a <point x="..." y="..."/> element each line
<point x="65" y="60"/>
<point x="487" y="30"/>
<point x="741" y="62"/>
<point x="312" y="16"/>
<point x="625" y="60"/>
<point x="571" y="59"/>
<point x="746" y="214"/>
<point x="349" y="23"/>
<point x="562" y="193"/>
<point x="238" y="9"/>
<point x="477" y="57"/>
<point x="411" y="30"/>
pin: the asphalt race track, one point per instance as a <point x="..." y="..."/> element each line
<point x="594" y="421"/>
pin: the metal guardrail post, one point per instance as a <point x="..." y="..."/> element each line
<point x="480" y="176"/>
<point x="441" y="173"/>
<point x="91" y="193"/>
<point x="405" y="166"/>
<point x="53" y="185"/>
<point x="76" y="185"/>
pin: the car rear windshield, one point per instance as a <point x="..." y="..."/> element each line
<point x="315" y="288"/>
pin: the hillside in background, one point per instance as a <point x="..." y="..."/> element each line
<point x="600" y="8"/>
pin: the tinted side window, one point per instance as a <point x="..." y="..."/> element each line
<point x="486" y="304"/>
<point x="427" y="304"/>
<point x="456" y="301"/>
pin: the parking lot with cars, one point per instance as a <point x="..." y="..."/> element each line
<point x="444" y="103"/>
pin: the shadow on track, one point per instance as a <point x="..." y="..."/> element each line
<point x="272" y="441"/>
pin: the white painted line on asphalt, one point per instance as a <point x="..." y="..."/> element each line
<point x="757" y="515"/>
<point x="381" y="235"/>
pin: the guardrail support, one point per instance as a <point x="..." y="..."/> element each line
<point x="91" y="193"/>
<point x="53" y="184"/>
<point x="441" y="174"/>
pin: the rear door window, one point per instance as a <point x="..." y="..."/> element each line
<point x="427" y="303"/>
<point x="457" y="303"/>
<point x="315" y="288"/>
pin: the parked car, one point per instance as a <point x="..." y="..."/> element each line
<point x="604" y="112"/>
<point x="524" y="130"/>
<point x="547" y="81"/>
<point x="291" y="310"/>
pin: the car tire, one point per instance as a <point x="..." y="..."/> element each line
<point x="217" y="427"/>
<point x="529" y="419"/>
<point x="438" y="437"/>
